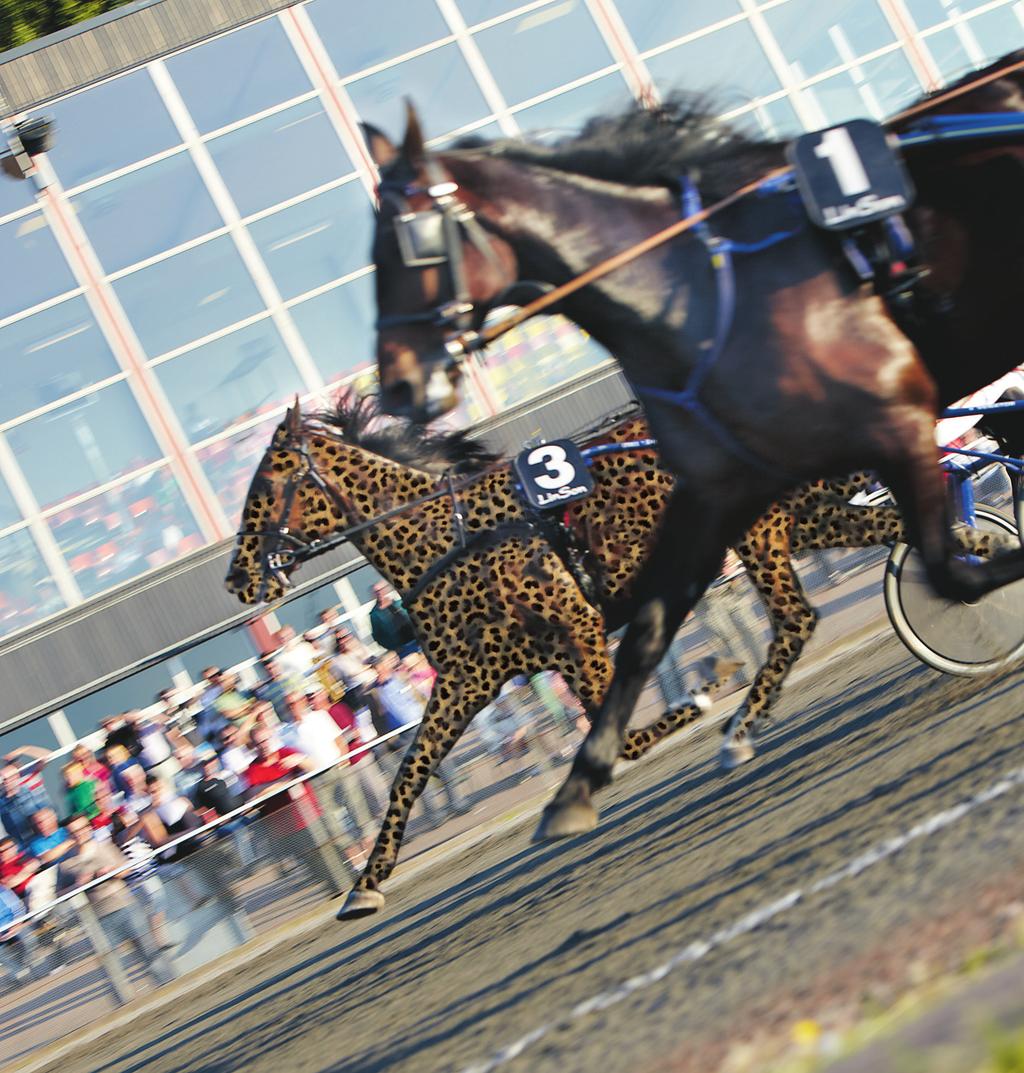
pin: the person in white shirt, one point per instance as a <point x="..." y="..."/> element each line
<point x="312" y="732"/>
<point x="297" y="657"/>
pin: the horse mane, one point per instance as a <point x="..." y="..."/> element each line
<point x="650" y="147"/>
<point x="360" y="422"/>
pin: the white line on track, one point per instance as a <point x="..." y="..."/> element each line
<point x="696" y="950"/>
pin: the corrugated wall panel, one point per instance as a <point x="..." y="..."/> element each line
<point x="114" y="43"/>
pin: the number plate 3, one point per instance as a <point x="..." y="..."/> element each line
<point x="553" y="474"/>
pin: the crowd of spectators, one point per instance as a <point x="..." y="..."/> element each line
<point x="148" y="777"/>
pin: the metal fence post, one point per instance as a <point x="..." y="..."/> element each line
<point x="104" y="951"/>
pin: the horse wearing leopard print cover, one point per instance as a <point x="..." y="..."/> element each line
<point x="508" y="602"/>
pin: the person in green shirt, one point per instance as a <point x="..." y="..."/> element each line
<point x="79" y="791"/>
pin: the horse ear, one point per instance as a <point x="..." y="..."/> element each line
<point x="293" y="419"/>
<point x="382" y="149"/>
<point x="413" y="150"/>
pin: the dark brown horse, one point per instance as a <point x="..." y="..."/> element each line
<point x="818" y="373"/>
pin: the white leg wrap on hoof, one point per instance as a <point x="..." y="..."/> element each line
<point x="360" y="903"/>
<point x="735" y="753"/>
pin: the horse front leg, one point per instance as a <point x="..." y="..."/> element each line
<point x="678" y="570"/>
<point x="443" y="723"/>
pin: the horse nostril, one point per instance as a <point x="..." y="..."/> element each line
<point x="237" y="578"/>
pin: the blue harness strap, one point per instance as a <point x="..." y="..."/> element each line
<point x="721" y="252"/>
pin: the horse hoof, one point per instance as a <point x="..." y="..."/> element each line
<point x="564" y="821"/>
<point x="735" y="753"/>
<point x="360" y="903"/>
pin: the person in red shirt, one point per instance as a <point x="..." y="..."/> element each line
<point x="16" y="867"/>
<point x="291" y="818"/>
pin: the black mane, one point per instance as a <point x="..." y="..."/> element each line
<point x="359" y="421"/>
<point x="651" y="147"/>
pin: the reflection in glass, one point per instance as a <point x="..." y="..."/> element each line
<point x="474" y="11"/>
<point x="49" y="355"/>
<point x="653" y="22"/>
<point x="926" y="13"/>
<point x="227" y="650"/>
<point x="230" y="463"/>
<point x="97" y="438"/>
<point x="230" y="380"/>
<point x="773" y="120"/>
<point x="125" y="531"/>
<point x="996" y="30"/>
<point x="189" y="295"/>
<point x="27" y="591"/>
<point x="316" y="241"/>
<point x="109" y="126"/>
<point x="358" y="36"/>
<point x="697" y="66"/>
<point x="338" y="327"/>
<point x="9" y="513"/>
<point x="949" y="53"/>
<point x="538" y="355"/>
<point x="146" y="212"/>
<point x="821" y="36"/>
<point x="440" y="83"/>
<point x="568" y="111"/>
<point x="237" y="75"/>
<point x="15" y="194"/>
<point x="41" y="272"/>
<point x="279" y="157"/>
<point x="876" y="89"/>
<point x="543" y="49"/>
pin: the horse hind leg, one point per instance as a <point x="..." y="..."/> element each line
<point x="767" y="555"/>
<point x="642" y="739"/>
<point x="447" y="715"/>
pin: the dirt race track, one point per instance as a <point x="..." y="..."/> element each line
<point x="707" y="910"/>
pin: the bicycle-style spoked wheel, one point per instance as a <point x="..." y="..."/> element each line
<point x="967" y="639"/>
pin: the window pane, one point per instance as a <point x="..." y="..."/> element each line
<point x="15" y="194"/>
<point x="149" y="211"/>
<point x="227" y="650"/>
<point x="34" y="267"/>
<point x="775" y="120"/>
<point x="97" y="438"/>
<point x="27" y="592"/>
<point x="358" y="36"/>
<point x="188" y="296"/>
<point x="543" y="49"/>
<point x="931" y="12"/>
<point x="698" y="66"/>
<point x="237" y="75"/>
<point x="538" y="355"/>
<point x="653" y="22"/>
<point x="120" y="534"/>
<point x="949" y="53"/>
<point x="49" y="355"/>
<point x="279" y="157"/>
<point x="230" y="463"/>
<point x="570" y="110"/>
<point x="318" y="240"/>
<point x="440" y="83"/>
<point x="878" y="89"/>
<point x="338" y="327"/>
<point x="108" y="127"/>
<point x="994" y="30"/>
<point x="9" y="513"/>
<point x="821" y="36"/>
<point x="230" y="380"/>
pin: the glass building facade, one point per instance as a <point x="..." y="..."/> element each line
<point x="199" y="254"/>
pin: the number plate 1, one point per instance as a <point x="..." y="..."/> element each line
<point x="849" y="175"/>
<point x="553" y="474"/>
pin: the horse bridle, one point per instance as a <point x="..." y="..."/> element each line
<point x="432" y="237"/>
<point x="281" y="549"/>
